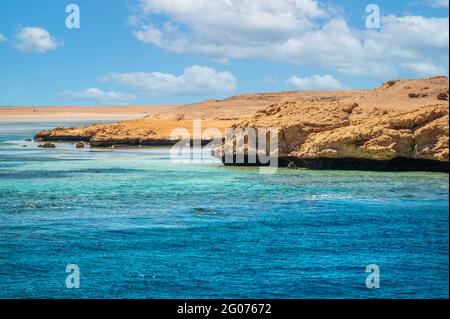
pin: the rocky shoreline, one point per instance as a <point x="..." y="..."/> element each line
<point x="400" y="164"/>
<point x="117" y="143"/>
<point x="400" y="126"/>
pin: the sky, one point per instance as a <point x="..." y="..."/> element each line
<point x="182" y="51"/>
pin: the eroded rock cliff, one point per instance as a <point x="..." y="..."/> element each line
<point x="384" y="124"/>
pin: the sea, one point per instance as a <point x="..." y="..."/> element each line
<point x="132" y="223"/>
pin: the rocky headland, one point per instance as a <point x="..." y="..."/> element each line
<point x="401" y="125"/>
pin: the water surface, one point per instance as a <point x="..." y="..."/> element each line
<point x="140" y="226"/>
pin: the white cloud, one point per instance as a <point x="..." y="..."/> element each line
<point x="2" y="37"/>
<point x="424" y="69"/>
<point x="195" y="80"/>
<point x="315" y="82"/>
<point x="439" y="3"/>
<point x="94" y="94"/>
<point x="301" y="32"/>
<point x="410" y="40"/>
<point x="149" y="35"/>
<point x="237" y="18"/>
<point x="222" y="22"/>
<point x="33" y="39"/>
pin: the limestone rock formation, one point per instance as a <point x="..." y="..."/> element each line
<point x="143" y="132"/>
<point x="384" y="124"/>
<point x="421" y="134"/>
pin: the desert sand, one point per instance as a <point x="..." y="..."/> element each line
<point x="77" y="113"/>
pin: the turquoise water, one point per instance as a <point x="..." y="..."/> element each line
<point x="140" y="226"/>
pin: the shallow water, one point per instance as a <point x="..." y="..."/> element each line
<point x="140" y="226"/>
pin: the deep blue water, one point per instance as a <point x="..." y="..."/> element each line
<point x="140" y="226"/>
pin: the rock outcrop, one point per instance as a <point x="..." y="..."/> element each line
<point x="421" y="134"/>
<point x="133" y="133"/>
<point x="98" y="134"/>
<point x="324" y="133"/>
<point x="47" y="145"/>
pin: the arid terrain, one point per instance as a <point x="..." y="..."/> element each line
<point x="402" y="119"/>
<point x="77" y="113"/>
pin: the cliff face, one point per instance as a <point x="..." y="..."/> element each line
<point x="400" y="119"/>
<point x="421" y="134"/>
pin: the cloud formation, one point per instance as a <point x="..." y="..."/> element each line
<point x="2" y="37"/>
<point x="302" y="32"/>
<point x="439" y="3"/>
<point x="195" y="80"/>
<point x="94" y="94"/>
<point x="34" y="39"/>
<point x="315" y="82"/>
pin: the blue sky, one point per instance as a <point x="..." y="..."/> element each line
<point x="174" y="51"/>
